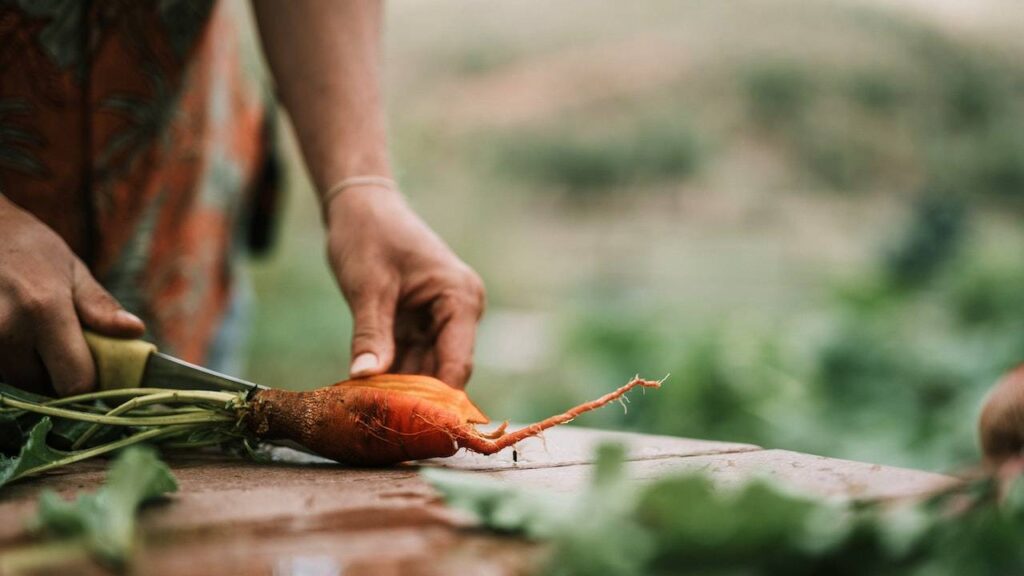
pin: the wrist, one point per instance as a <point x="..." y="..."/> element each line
<point x="338" y="188"/>
<point x="359" y="152"/>
<point x="364" y="201"/>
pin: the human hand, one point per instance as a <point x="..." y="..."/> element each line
<point x="415" y="305"/>
<point x="46" y="296"/>
<point x="1001" y="426"/>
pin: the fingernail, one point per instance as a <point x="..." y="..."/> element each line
<point x="127" y="317"/>
<point x="363" y="363"/>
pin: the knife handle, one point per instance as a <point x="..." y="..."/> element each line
<point x="120" y="363"/>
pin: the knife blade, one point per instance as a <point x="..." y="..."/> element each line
<point x="124" y="363"/>
<point x="165" y="371"/>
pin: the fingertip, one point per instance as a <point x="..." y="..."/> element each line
<point x="129" y="323"/>
<point x="365" y="364"/>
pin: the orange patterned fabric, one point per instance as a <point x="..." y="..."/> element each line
<point x="131" y="129"/>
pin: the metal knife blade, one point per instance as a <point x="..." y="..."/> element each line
<point x="163" y="371"/>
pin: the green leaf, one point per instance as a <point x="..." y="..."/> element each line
<point x="34" y="452"/>
<point x="602" y="537"/>
<point x="105" y="520"/>
<point x="608" y="463"/>
<point x="23" y="395"/>
<point x="500" y="506"/>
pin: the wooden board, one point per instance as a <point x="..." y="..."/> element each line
<point x="303" y="516"/>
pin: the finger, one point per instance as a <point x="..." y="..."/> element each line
<point x="21" y="367"/>
<point x="373" y="344"/>
<point x="62" y="347"/>
<point x="428" y="365"/>
<point x="412" y="360"/>
<point x="402" y="350"/>
<point x="454" y="349"/>
<point x="100" y="311"/>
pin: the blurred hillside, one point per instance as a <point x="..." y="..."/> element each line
<point x="807" y="212"/>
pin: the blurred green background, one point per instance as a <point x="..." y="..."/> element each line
<point x="808" y="213"/>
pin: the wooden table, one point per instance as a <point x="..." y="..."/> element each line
<point x="306" y="517"/>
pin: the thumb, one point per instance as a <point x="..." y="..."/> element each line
<point x="373" y="341"/>
<point x="100" y="311"/>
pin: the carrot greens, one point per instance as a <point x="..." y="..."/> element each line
<point x="685" y="524"/>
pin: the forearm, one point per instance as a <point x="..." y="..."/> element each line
<point x="324" y="56"/>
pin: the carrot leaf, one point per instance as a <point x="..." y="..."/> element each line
<point x="105" y="520"/>
<point x="621" y="527"/>
<point x="499" y="506"/>
<point x="34" y="452"/>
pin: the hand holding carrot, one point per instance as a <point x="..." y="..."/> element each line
<point x="415" y="304"/>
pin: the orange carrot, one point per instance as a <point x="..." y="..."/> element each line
<point x="392" y="418"/>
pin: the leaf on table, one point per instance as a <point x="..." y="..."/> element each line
<point x="602" y="536"/>
<point x="34" y="452"/>
<point x="499" y="506"/>
<point x="105" y="519"/>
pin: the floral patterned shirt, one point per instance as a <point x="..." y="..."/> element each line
<point x="131" y="129"/>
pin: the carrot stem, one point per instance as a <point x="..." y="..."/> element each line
<point x="157" y="398"/>
<point x="72" y="457"/>
<point x="133" y="392"/>
<point x="195" y="418"/>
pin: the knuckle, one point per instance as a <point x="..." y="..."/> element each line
<point x="466" y="294"/>
<point x="477" y="290"/>
<point x="100" y="298"/>
<point x="365" y="287"/>
<point x="366" y="333"/>
<point x="473" y="283"/>
<point x="37" y="303"/>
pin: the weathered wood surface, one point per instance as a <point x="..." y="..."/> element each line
<point x="302" y="516"/>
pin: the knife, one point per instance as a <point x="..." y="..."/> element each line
<point x="124" y="363"/>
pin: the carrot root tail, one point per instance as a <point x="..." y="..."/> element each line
<point x="499" y="440"/>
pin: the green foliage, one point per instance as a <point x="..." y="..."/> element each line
<point x="972" y="92"/>
<point x="989" y="297"/>
<point x="501" y="507"/>
<point x="33" y="452"/>
<point x="32" y="443"/>
<point x="935" y="233"/>
<point x="649" y="152"/>
<point x="880" y="371"/>
<point x="723" y="383"/>
<point x="876" y="91"/>
<point x="105" y="520"/>
<point x="685" y="525"/>
<point x="778" y="93"/>
<point x="996" y="167"/>
<point x="838" y="158"/>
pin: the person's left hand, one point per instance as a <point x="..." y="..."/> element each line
<point x="415" y="305"/>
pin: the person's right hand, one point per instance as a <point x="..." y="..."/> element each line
<point x="47" y="295"/>
<point x="1001" y="425"/>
